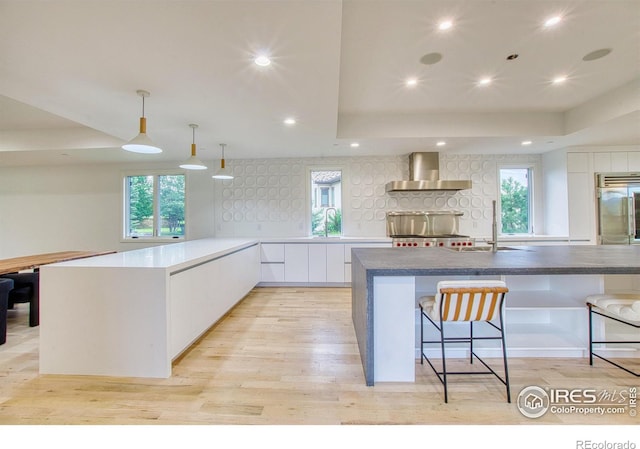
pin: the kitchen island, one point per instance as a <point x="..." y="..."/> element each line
<point x="133" y="313"/>
<point x="385" y="283"/>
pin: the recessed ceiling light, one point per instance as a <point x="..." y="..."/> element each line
<point x="354" y="145"/>
<point x="526" y="142"/>
<point x="552" y="21"/>
<point x="484" y="81"/>
<point x="411" y="82"/>
<point x="290" y="121"/>
<point x="262" y="61"/>
<point x="596" y="54"/>
<point x="445" y="25"/>
<point x="559" y="79"/>
<point x="441" y="143"/>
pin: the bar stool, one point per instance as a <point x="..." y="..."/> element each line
<point x="621" y="307"/>
<point x="465" y="301"/>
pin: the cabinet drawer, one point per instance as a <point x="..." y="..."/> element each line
<point x="272" y="272"/>
<point x="272" y="252"/>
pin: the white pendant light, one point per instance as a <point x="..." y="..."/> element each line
<point x="141" y="143"/>
<point x="224" y="172"/>
<point x="193" y="163"/>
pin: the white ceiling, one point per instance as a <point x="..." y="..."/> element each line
<point x="69" y="71"/>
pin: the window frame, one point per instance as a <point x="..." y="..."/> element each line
<point x="535" y="195"/>
<point x="309" y="193"/>
<point x="156" y="209"/>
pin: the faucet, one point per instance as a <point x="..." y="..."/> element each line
<point x="494" y="230"/>
<point x="326" y="217"/>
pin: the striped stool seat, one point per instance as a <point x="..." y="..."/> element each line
<point x="476" y="301"/>
<point x="621" y="307"/>
<point x="464" y="301"/>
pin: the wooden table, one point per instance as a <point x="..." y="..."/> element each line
<point x="34" y="262"/>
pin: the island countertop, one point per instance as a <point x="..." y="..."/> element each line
<point x="565" y="259"/>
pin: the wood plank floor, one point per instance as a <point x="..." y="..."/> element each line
<point x="282" y="356"/>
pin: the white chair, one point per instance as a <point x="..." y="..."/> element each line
<point x="621" y="307"/>
<point x="465" y="301"/>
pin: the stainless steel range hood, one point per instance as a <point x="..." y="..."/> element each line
<point x="424" y="176"/>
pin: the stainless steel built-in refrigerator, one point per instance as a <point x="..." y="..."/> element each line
<point x="618" y="208"/>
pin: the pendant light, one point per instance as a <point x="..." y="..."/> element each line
<point x="193" y="163"/>
<point x="224" y="172"/>
<point x="141" y="143"/>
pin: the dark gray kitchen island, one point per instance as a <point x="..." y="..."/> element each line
<point x="540" y="278"/>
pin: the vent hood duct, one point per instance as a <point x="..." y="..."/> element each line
<point x="424" y="176"/>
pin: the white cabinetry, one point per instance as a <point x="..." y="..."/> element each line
<point x="311" y="262"/>
<point x="318" y="263"/>
<point x="335" y="263"/>
<point x="634" y="160"/>
<point x="616" y="161"/>
<point x="272" y="262"/>
<point x="581" y="198"/>
<point x="296" y="262"/>
<point x="326" y="262"/>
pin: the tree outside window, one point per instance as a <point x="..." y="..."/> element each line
<point x="515" y="200"/>
<point x="154" y="206"/>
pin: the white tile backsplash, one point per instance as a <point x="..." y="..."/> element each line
<point x="268" y="197"/>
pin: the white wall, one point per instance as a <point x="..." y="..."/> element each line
<point x="78" y="207"/>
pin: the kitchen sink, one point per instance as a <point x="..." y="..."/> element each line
<point x="484" y="249"/>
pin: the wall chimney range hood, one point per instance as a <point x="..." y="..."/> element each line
<point x="424" y="176"/>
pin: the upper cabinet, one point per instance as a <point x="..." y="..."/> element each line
<point x="616" y="161"/>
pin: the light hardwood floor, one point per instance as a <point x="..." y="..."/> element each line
<point x="282" y="356"/>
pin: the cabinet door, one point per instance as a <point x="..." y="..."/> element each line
<point x="633" y="158"/>
<point x="577" y="162"/>
<point x="318" y="262"/>
<point x="581" y="207"/>
<point x="272" y="272"/>
<point x="296" y="262"/>
<point x="619" y="161"/>
<point x="272" y="252"/>
<point x="602" y="162"/>
<point x="335" y="263"/>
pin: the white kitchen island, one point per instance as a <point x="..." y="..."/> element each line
<point x="132" y="313"/>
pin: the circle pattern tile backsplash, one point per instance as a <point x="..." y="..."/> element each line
<point x="273" y="192"/>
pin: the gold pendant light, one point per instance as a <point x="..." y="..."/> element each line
<point x="193" y="163"/>
<point x="141" y="143"/>
<point x="223" y="173"/>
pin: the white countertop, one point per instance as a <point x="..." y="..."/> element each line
<point x="174" y="256"/>
<point x="342" y="239"/>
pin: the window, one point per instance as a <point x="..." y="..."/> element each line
<point x="326" y="205"/>
<point x="154" y="206"/>
<point x="516" y="203"/>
